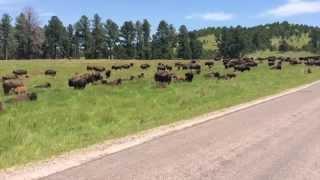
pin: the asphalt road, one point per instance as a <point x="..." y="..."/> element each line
<point x="279" y="139"/>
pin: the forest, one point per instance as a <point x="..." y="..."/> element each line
<point x="94" y="38"/>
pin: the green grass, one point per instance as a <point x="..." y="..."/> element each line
<point x="292" y="54"/>
<point x="298" y="42"/>
<point x="209" y="42"/>
<point x="64" y="119"/>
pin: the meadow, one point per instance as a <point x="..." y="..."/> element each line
<point x="64" y="119"/>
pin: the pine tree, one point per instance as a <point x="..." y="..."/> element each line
<point x="195" y="46"/>
<point x="98" y="38"/>
<point x="146" y="28"/>
<point x="112" y="37"/>
<point x="21" y="36"/>
<point x="139" y="41"/>
<point x="184" y="50"/>
<point x="161" y="42"/>
<point x="70" y="42"/>
<point x="128" y="37"/>
<point x="7" y="44"/>
<point x="55" y="36"/>
<point x="83" y="34"/>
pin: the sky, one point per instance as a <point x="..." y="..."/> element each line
<point x="195" y="14"/>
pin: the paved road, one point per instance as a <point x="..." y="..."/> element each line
<point x="279" y="139"/>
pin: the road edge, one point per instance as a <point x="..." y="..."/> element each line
<point x="75" y="158"/>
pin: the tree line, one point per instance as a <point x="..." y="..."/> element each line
<point x="98" y="39"/>
<point x="93" y="39"/>
<point x="238" y="41"/>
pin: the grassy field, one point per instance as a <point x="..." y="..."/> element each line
<point x="298" y="42"/>
<point x="291" y="54"/>
<point x="209" y="42"/>
<point x="64" y="119"/>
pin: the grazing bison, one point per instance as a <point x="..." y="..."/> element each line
<point x="189" y="76"/>
<point x="144" y="66"/>
<point x="99" y="68"/>
<point x="162" y="77"/>
<point x="20" y="72"/>
<point x="210" y="64"/>
<point x="78" y="82"/>
<point x="116" y="82"/>
<point x="9" y="77"/>
<point x="140" y="76"/>
<point x="43" y="86"/>
<point x="241" y="68"/>
<point x="50" y="72"/>
<point x="10" y="85"/>
<point x="278" y="66"/>
<point x="108" y="74"/>
<point x="23" y="97"/>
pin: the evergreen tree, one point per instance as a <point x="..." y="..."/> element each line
<point x="55" y="36"/>
<point x="83" y="34"/>
<point x="7" y="43"/>
<point x="70" y="42"/>
<point x="161" y="42"/>
<point x="98" y="38"/>
<point x="128" y="37"/>
<point x="172" y="42"/>
<point x="112" y="37"/>
<point x="21" y="36"/>
<point x="146" y="28"/>
<point x="195" y="46"/>
<point x="184" y="50"/>
<point x="139" y="41"/>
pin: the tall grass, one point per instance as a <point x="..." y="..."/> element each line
<point x="64" y="119"/>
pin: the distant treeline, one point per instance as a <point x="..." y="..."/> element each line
<point x="236" y="41"/>
<point x="98" y="39"/>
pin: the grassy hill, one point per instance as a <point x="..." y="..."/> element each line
<point x="209" y="42"/>
<point x="297" y="42"/>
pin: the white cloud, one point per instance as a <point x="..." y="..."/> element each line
<point x="212" y="16"/>
<point x="294" y="8"/>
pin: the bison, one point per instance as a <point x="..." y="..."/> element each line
<point x="23" y="97"/>
<point x="9" y="77"/>
<point x="144" y="66"/>
<point x="163" y="77"/>
<point x="78" y="82"/>
<point x="189" y="76"/>
<point x="20" y="72"/>
<point x="50" y="72"/>
<point x="10" y="85"/>
<point x="43" y="86"/>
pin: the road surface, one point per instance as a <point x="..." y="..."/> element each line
<point x="279" y="139"/>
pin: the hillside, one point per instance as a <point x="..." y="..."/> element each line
<point x="263" y="38"/>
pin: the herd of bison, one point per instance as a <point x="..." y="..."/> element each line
<point x="13" y="84"/>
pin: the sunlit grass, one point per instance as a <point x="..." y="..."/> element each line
<point x="64" y="119"/>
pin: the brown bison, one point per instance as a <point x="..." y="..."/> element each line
<point x="9" y="77"/>
<point x="43" y="86"/>
<point x="20" y="90"/>
<point x="162" y="78"/>
<point x="189" y="76"/>
<point x="50" y="72"/>
<point x="10" y="85"/>
<point x="23" y="97"/>
<point x="144" y="66"/>
<point x="20" y="72"/>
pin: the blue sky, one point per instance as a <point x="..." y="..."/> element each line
<point x="195" y="14"/>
